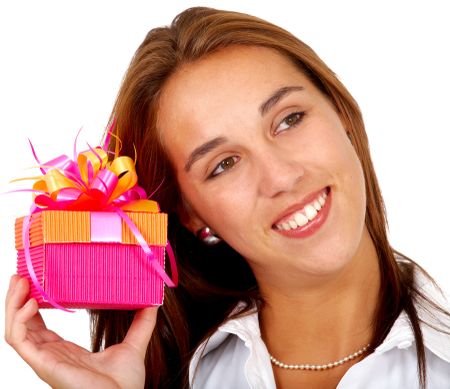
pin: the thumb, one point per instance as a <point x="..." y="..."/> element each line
<point x="141" y="329"/>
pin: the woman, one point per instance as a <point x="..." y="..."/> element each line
<point x="287" y="275"/>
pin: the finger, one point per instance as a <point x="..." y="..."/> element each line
<point x="20" y="338"/>
<point x="141" y="329"/>
<point x="37" y="330"/>
<point x="16" y="298"/>
<point x="12" y="284"/>
<point x="19" y="329"/>
<point x="36" y="322"/>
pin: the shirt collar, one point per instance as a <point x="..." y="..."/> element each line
<point x="401" y="336"/>
<point x="246" y="327"/>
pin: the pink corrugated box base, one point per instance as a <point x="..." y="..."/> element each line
<point x="95" y="275"/>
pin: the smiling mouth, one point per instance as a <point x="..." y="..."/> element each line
<point x="304" y="216"/>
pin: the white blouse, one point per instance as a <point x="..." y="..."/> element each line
<point x="235" y="356"/>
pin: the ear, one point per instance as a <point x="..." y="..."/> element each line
<point x="189" y="218"/>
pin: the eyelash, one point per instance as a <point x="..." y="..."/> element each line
<point x="215" y="173"/>
<point x="298" y="118"/>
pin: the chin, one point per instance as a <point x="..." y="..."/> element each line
<point x="328" y="263"/>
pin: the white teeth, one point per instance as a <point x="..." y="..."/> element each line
<point x="317" y="205"/>
<point x="292" y="224"/>
<point x="300" y="219"/>
<point x="310" y="212"/>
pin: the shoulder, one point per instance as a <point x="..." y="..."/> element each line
<point x="433" y="310"/>
<point x="393" y="361"/>
<point x="234" y="353"/>
<point x="434" y="314"/>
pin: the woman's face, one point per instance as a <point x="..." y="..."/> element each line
<point x="262" y="158"/>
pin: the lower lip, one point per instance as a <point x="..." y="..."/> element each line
<point x="311" y="227"/>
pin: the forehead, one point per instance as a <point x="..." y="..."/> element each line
<point x="208" y="97"/>
<point x="232" y="68"/>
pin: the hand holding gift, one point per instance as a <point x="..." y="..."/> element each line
<point x="65" y="365"/>
<point x="92" y="240"/>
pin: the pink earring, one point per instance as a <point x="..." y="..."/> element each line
<point x="207" y="236"/>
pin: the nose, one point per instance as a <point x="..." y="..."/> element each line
<point x="278" y="172"/>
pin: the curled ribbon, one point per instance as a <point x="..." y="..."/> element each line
<point x="92" y="183"/>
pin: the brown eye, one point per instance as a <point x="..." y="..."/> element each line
<point x="227" y="163"/>
<point x="290" y="121"/>
<point x="224" y="165"/>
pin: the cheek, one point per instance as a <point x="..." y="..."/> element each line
<point x="354" y="175"/>
<point x="344" y="166"/>
<point x="336" y="148"/>
<point x="225" y="209"/>
<point x="231" y="208"/>
<point x="352" y="196"/>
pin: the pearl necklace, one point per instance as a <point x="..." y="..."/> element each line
<point x="319" y="367"/>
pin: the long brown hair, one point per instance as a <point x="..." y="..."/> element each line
<point x="213" y="280"/>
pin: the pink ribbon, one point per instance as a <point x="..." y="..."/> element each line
<point x="106" y="227"/>
<point x="149" y="253"/>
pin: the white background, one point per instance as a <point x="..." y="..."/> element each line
<point x="61" y="65"/>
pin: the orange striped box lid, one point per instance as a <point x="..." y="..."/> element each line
<point x="75" y="227"/>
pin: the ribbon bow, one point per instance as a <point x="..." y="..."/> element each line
<point x="90" y="182"/>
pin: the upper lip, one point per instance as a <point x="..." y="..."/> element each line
<point x="298" y="206"/>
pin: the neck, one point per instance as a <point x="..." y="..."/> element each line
<point x="325" y="319"/>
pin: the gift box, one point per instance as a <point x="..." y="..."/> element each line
<point x="93" y="259"/>
<point x="93" y="238"/>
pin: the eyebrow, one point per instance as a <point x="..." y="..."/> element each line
<point x="277" y="96"/>
<point x="205" y="148"/>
